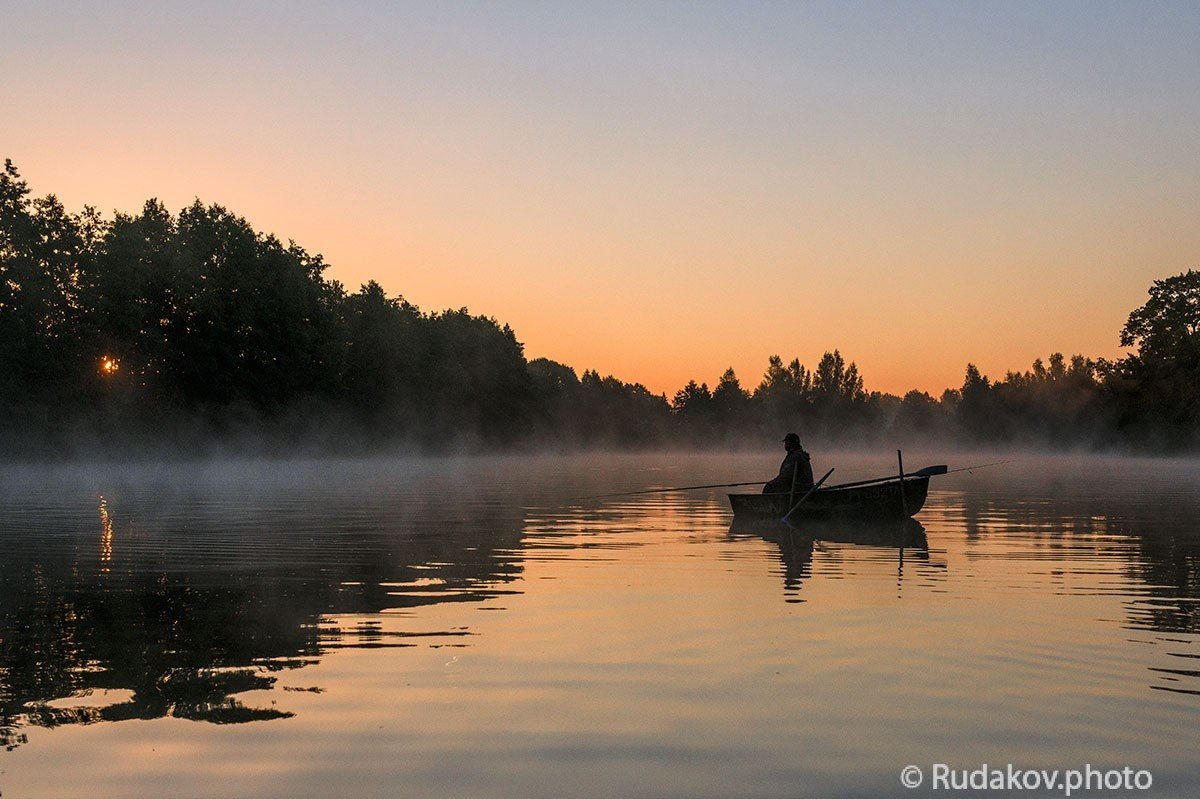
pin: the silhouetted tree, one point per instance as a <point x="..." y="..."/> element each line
<point x="622" y="414"/>
<point x="784" y="396"/>
<point x="975" y="406"/>
<point x="475" y="382"/>
<point x="556" y="396"/>
<point x="1059" y="404"/>
<point x="182" y="329"/>
<point x="386" y="347"/>
<point x="1157" y="389"/>
<point x="841" y="406"/>
<point x="918" y="415"/>
<point x="834" y="381"/>
<point x="694" y="409"/>
<point x="43" y="252"/>
<point x="731" y="406"/>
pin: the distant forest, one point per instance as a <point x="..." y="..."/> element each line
<point x="191" y="334"/>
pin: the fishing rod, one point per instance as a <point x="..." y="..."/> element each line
<point x="982" y="466"/>
<point x="679" y="488"/>
<point x="926" y="472"/>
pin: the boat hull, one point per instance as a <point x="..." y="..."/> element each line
<point x="878" y="501"/>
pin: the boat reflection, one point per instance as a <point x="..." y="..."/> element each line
<point x="797" y="543"/>
<point x="907" y="533"/>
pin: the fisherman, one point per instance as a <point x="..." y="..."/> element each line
<point x="795" y="473"/>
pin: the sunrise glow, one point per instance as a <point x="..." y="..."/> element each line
<point x="660" y="195"/>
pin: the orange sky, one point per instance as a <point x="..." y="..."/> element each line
<point x="660" y="192"/>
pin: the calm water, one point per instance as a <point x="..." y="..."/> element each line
<point x="479" y="628"/>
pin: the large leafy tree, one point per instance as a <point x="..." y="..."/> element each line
<point x="475" y="379"/>
<point x="386" y="346"/>
<point x="1168" y="325"/>
<point x="46" y="352"/>
<point x="1157" y="389"/>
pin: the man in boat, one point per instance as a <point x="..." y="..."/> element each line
<point x="796" y="470"/>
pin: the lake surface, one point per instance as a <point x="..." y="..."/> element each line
<point x="480" y="627"/>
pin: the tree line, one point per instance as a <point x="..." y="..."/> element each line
<point x="194" y="332"/>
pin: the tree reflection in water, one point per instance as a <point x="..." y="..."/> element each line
<point x="1134" y="520"/>
<point x="186" y="605"/>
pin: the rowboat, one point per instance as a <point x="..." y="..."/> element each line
<point x="883" y="498"/>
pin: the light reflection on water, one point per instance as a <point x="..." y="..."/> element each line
<point x="483" y="627"/>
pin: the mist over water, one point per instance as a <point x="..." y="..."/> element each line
<point x="489" y="627"/>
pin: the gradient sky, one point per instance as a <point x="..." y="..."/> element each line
<point x="660" y="190"/>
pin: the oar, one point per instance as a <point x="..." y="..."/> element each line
<point x="928" y="471"/>
<point x="816" y="485"/>
<point x="678" y="488"/>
